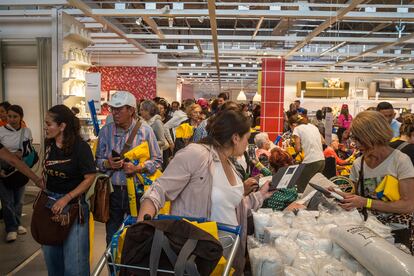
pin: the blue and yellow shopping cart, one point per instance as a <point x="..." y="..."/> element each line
<point x="228" y="236"/>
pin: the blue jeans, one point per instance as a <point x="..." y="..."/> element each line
<point x="11" y="202"/>
<point x="71" y="258"/>
<point x="118" y="209"/>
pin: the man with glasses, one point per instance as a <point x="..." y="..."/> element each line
<point x="112" y="139"/>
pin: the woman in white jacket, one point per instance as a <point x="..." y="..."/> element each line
<point x="17" y="140"/>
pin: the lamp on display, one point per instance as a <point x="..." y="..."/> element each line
<point x="242" y="96"/>
<point x="257" y="98"/>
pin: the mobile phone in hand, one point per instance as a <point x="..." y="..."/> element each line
<point x="115" y="155"/>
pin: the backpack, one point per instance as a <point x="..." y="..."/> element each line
<point x="175" y="245"/>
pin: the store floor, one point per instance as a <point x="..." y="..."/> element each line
<point x="24" y="256"/>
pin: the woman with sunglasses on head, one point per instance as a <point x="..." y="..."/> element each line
<point x="371" y="133"/>
<point x="405" y="143"/>
<point x="69" y="170"/>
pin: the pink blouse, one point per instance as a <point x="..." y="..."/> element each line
<point x="343" y="122"/>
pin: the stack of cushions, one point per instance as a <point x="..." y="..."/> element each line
<point x="331" y="82"/>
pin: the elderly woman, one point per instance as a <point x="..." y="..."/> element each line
<point x="406" y="141"/>
<point x="263" y="144"/>
<point x="194" y="119"/>
<point x="149" y="112"/>
<point x="202" y="182"/>
<point x="372" y="133"/>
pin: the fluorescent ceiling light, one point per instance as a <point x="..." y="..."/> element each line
<point x="150" y="6"/>
<point x="333" y="48"/>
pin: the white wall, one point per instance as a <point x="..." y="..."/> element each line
<point x="21" y="87"/>
<point x="167" y="84"/>
<point x="125" y="60"/>
<point x="25" y="29"/>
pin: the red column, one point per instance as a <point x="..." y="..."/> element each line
<point x="273" y="91"/>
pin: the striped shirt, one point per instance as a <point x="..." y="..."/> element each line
<point x="113" y="138"/>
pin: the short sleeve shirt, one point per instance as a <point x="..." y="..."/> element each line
<point x="310" y="139"/>
<point x="397" y="164"/>
<point x="66" y="172"/>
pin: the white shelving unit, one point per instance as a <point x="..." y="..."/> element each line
<point x="74" y="62"/>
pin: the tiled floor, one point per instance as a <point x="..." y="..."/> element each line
<point x="24" y="257"/>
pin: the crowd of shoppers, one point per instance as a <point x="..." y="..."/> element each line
<point x="203" y="149"/>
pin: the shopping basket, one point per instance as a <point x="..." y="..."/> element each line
<point x="229" y="237"/>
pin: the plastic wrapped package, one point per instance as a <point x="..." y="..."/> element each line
<point x="306" y="213"/>
<point x="373" y="252"/>
<point x="293" y="271"/>
<point x="253" y="243"/>
<point x="348" y="218"/>
<point x="326" y="218"/>
<point x="305" y="263"/>
<point x="338" y="251"/>
<point x="276" y="220"/>
<point x="334" y="270"/>
<point x="272" y="233"/>
<point x="325" y="229"/>
<point x="265" y="211"/>
<point x="265" y="261"/>
<point x="289" y="217"/>
<point x="293" y="234"/>
<point x="287" y="249"/>
<point x="261" y="220"/>
<point x="378" y="228"/>
<point x="353" y="264"/>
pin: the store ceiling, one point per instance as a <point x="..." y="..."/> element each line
<point x="212" y="42"/>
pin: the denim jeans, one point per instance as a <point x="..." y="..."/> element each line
<point x="71" y="258"/>
<point x="118" y="209"/>
<point x="12" y="203"/>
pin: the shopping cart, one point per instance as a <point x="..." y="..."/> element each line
<point x="229" y="237"/>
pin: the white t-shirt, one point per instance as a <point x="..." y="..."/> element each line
<point x="10" y="138"/>
<point x="225" y="197"/>
<point x="397" y="164"/>
<point x="310" y="139"/>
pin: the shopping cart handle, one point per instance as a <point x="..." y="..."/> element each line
<point x="231" y="229"/>
<point x="164" y="217"/>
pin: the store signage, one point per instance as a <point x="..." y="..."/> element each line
<point x="93" y="89"/>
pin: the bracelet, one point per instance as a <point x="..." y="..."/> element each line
<point x="369" y="203"/>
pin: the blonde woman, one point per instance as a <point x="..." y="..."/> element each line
<point x="194" y="119"/>
<point x="371" y="133"/>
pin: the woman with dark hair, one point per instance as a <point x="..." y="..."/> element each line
<point x="163" y="110"/>
<point x="69" y="170"/>
<point x="405" y="142"/>
<point x="18" y="140"/>
<point x="201" y="181"/>
<point x="344" y="121"/>
<point x="3" y="113"/>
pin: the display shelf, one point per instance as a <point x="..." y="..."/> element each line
<point x="72" y="79"/>
<point x="76" y="63"/>
<point x="73" y="95"/>
<point x="78" y="38"/>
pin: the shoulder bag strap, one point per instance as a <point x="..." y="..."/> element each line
<point x="128" y="143"/>
<point x="361" y="187"/>
<point x="21" y="138"/>
<point x="402" y="145"/>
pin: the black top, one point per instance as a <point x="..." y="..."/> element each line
<point x="1" y="146"/>
<point x="408" y="149"/>
<point x="66" y="172"/>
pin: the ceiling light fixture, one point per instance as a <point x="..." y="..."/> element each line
<point x="333" y="48"/>
<point x="170" y="22"/>
<point x="201" y="19"/>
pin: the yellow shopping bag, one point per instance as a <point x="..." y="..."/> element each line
<point x="388" y="189"/>
<point x="184" y="131"/>
<point x="211" y="228"/>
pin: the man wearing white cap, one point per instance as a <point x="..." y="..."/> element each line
<point x="112" y="139"/>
